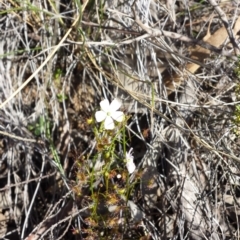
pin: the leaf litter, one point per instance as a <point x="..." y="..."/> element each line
<point x="174" y="84"/>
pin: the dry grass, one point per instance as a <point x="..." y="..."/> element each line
<point x="173" y="64"/>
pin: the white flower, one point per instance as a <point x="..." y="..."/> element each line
<point x="130" y="164"/>
<point x="109" y="113"/>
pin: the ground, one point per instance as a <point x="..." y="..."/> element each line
<point x="175" y="69"/>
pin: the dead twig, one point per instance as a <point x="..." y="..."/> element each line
<point x="226" y="24"/>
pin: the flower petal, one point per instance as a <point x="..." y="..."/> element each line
<point x="100" y="116"/>
<point x="118" y="116"/>
<point x="109" y="124"/>
<point x="104" y="104"/>
<point x="129" y="155"/>
<point x="115" y="105"/>
<point x="130" y="166"/>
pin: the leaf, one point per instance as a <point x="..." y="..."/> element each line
<point x="199" y="54"/>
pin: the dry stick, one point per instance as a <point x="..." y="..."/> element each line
<point x="40" y="67"/>
<point x="198" y="139"/>
<point x="17" y="137"/>
<point x="153" y="32"/>
<point x="199" y="53"/>
<point x="27" y="181"/>
<point x="32" y="76"/>
<point x="224" y="19"/>
<point x="49" y="222"/>
<point x="150" y="34"/>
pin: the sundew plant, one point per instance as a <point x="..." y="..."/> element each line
<point x="107" y="173"/>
